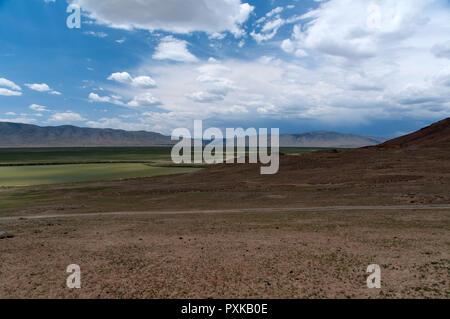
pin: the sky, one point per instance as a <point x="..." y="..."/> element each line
<point x="379" y="68"/>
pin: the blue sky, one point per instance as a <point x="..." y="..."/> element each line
<point x="376" y="68"/>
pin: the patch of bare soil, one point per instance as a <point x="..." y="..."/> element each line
<point x="241" y="255"/>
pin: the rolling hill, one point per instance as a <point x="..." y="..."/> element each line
<point x="26" y="135"/>
<point x="435" y="134"/>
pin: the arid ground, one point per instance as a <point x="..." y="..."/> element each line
<point x="229" y="232"/>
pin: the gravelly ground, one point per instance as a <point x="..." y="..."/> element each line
<point x="240" y="255"/>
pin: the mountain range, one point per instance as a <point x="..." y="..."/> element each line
<point x="26" y="135"/>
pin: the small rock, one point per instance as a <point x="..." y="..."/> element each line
<point x="4" y="235"/>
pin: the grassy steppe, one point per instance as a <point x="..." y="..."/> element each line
<point x="40" y="166"/>
<point x="60" y="174"/>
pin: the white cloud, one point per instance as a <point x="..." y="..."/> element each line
<point x="205" y="97"/>
<point x="94" y="97"/>
<point x="260" y="37"/>
<point x="116" y="123"/>
<point x="25" y="120"/>
<point x="174" y="49"/>
<point x="145" y="99"/>
<point x="217" y="36"/>
<point x="287" y="46"/>
<point x="178" y="16"/>
<point x="42" y="87"/>
<point x="66" y="117"/>
<point x="269" y="30"/>
<point x="96" y="34"/>
<point x="275" y="11"/>
<point x="361" y="30"/>
<point x="272" y="25"/>
<point x="8" y="92"/>
<point x="9" y="84"/>
<point x="38" y="108"/>
<point x="331" y="91"/>
<point x="144" y="82"/>
<point x="122" y="77"/>
<point x="348" y="72"/>
<point x="38" y="87"/>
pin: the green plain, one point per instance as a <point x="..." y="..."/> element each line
<point x="41" y="166"/>
<point x="60" y="174"/>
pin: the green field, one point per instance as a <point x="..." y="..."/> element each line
<point x="59" y="174"/>
<point x="40" y="166"/>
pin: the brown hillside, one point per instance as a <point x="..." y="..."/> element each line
<point x="433" y="135"/>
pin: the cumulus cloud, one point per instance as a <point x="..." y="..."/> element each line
<point x="9" y="88"/>
<point x="8" y="92"/>
<point x="331" y="91"/>
<point x="214" y="83"/>
<point x="361" y="30"/>
<point x="94" y="97"/>
<point x="38" y="108"/>
<point x="9" y="84"/>
<point x="38" y="87"/>
<point x="144" y="82"/>
<point x="144" y="99"/>
<point x="205" y="97"/>
<point x="174" y="49"/>
<point x="178" y="16"/>
<point x="42" y="87"/>
<point x="342" y="65"/>
<point x="66" y="117"/>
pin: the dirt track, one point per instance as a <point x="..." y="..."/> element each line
<point x="232" y="211"/>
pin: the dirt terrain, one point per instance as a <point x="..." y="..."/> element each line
<point x="275" y="243"/>
<point x="239" y="255"/>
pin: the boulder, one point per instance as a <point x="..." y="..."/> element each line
<point x="4" y="235"/>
